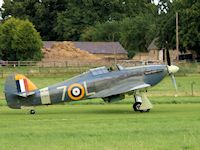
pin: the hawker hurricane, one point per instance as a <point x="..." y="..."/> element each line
<point x="110" y="85"/>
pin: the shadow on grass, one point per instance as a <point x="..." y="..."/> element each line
<point x="80" y="112"/>
<point x="115" y="109"/>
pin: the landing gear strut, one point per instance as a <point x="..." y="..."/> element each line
<point x="32" y="111"/>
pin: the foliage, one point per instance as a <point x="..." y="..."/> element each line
<point x="134" y="22"/>
<point x="189" y="35"/>
<point x="135" y="34"/>
<point x="42" y="13"/>
<point x="82" y="15"/>
<point x="108" y="31"/>
<point x="19" y="40"/>
<point x="67" y="19"/>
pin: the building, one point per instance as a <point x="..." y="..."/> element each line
<point x="155" y="54"/>
<point x="106" y="50"/>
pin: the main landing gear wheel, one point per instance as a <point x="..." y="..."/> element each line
<point x="136" y="106"/>
<point x="32" y="111"/>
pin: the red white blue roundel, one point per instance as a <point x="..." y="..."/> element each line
<point x="76" y="91"/>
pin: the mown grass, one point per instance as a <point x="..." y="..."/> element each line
<point x="101" y="127"/>
<point x="184" y="84"/>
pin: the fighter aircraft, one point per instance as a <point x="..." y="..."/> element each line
<point x="99" y="82"/>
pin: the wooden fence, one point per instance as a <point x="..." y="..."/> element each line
<point x="62" y="68"/>
<point x="58" y="68"/>
<point x="74" y="63"/>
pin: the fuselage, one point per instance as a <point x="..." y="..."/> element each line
<point x="83" y="86"/>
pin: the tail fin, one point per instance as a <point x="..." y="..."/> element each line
<point x="24" y="84"/>
<point x="17" y="85"/>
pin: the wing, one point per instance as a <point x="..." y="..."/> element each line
<point x="119" y="89"/>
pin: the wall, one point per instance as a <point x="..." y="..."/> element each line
<point x="112" y="56"/>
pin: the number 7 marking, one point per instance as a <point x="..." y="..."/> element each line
<point x="64" y="91"/>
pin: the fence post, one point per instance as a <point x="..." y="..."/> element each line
<point x="192" y="88"/>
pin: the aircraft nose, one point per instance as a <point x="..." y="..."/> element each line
<point x="172" y="69"/>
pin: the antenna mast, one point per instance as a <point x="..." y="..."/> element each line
<point x="177" y="36"/>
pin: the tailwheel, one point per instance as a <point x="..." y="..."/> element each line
<point x="32" y="111"/>
<point x="136" y="106"/>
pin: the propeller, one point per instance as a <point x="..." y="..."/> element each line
<point x="172" y="69"/>
<point x="174" y="81"/>
<point x="168" y="57"/>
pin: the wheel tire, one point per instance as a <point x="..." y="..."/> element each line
<point x="32" y="111"/>
<point x="136" y="106"/>
<point x="146" y="110"/>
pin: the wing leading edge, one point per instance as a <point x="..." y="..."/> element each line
<point x="120" y="89"/>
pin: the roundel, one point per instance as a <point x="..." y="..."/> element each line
<point x="76" y="91"/>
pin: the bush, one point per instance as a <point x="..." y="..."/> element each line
<point x="19" y="40"/>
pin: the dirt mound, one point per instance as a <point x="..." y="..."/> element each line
<point x="63" y="51"/>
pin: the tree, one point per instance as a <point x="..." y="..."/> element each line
<point x="108" y="31"/>
<point x="189" y="36"/>
<point x="190" y="25"/>
<point x="67" y="19"/>
<point x="135" y="34"/>
<point x="19" y="40"/>
<point x="42" y="13"/>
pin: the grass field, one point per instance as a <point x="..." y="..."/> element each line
<point x="101" y="127"/>
<point x="173" y="123"/>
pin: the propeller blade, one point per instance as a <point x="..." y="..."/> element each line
<point x="174" y="81"/>
<point x="167" y="54"/>
<point x="168" y="57"/>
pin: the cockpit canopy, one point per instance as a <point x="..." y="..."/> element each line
<point x="99" y="70"/>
